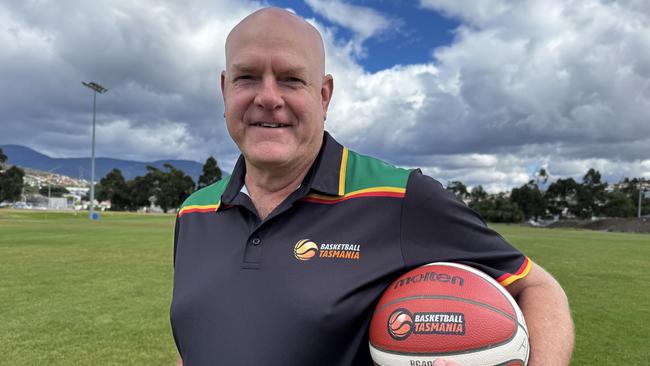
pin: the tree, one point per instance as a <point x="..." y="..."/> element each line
<point x="140" y="189"/>
<point x="3" y="157"/>
<point x="593" y="179"/>
<point x="170" y="188"/>
<point x="497" y="209"/>
<point x="11" y="184"/>
<point x="541" y="177"/>
<point x="53" y="191"/>
<point x="530" y="200"/>
<point x="591" y="194"/>
<point x="619" y="205"/>
<point x="561" y="197"/>
<point x="631" y="187"/>
<point x="211" y="173"/>
<point x="459" y="189"/>
<point x="175" y="188"/>
<point x="477" y="194"/>
<point x="113" y="187"/>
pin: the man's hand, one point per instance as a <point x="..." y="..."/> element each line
<point x="440" y="362"/>
<point x="548" y="318"/>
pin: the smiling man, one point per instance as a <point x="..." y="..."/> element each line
<point x="282" y="262"/>
<point x="276" y="96"/>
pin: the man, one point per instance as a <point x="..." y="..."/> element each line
<point x="282" y="263"/>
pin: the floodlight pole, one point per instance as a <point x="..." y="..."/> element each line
<point x="49" y="187"/>
<point x="96" y="89"/>
<point x="640" y="199"/>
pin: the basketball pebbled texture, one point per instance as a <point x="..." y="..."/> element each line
<point x="450" y="311"/>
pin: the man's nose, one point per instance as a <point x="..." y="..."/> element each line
<point x="269" y="96"/>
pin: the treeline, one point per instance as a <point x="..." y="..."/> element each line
<point x="564" y="198"/>
<point x="164" y="188"/>
<point x="11" y="181"/>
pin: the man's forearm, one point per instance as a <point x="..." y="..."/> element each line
<point x="548" y="318"/>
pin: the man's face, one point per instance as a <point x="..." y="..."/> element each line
<point x="274" y="91"/>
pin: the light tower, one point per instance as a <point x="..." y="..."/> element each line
<point x="96" y="89"/>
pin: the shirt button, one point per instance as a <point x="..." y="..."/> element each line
<point x="256" y="241"/>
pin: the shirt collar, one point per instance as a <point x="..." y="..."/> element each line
<point x="325" y="176"/>
<point x="328" y="170"/>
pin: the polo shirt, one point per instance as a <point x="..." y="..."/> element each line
<point x="300" y="286"/>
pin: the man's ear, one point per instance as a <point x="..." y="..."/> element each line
<point x="326" y="91"/>
<point x="223" y="82"/>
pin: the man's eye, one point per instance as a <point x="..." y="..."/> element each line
<point x="294" y="80"/>
<point x="243" y="77"/>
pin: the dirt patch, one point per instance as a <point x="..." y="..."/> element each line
<point x="634" y="225"/>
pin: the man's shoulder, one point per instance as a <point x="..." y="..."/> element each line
<point x="209" y="195"/>
<point x="366" y="172"/>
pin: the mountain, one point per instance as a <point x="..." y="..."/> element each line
<point x="80" y="167"/>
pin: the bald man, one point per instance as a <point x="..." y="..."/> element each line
<point x="276" y="96"/>
<point x="282" y="262"/>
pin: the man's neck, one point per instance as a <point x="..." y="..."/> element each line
<point x="268" y="187"/>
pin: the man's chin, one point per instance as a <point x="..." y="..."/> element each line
<point x="268" y="158"/>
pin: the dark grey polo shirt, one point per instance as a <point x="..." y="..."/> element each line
<point x="299" y="287"/>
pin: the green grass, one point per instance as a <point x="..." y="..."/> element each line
<point x="607" y="279"/>
<point x="76" y="292"/>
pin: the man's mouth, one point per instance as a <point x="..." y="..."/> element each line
<point x="270" y="125"/>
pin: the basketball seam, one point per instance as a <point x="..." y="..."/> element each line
<point x="505" y="363"/>
<point x="487" y="279"/>
<point x="446" y="297"/>
<point x="450" y="353"/>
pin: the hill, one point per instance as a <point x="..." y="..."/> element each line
<point x="80" y="167"/>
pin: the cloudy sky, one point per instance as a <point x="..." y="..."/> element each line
<point x="486" y="92"/>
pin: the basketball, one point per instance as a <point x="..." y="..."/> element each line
<point x="449" y="311"/>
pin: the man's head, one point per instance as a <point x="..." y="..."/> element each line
<point x="274" y="88"/>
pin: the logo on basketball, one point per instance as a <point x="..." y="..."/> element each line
<point x="400" y="324"/>
<point x="305" y="249"/>
<point x="439" y="323"/>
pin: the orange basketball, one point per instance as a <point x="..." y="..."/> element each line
<point x="449" y="311"/>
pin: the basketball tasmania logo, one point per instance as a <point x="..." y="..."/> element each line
<point x="306" y="249"/>
<point x="401" y="323"/>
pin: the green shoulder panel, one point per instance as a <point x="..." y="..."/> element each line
<point x="210" y="195"/>
<point x="364" y="172"/>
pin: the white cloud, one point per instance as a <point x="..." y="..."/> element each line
<point x="566" y="84"/>
<point x="524" y="84"/>
<point x="160" y="61"/>
<point x="365" y="22"/>
<point x="476" y="12"/>
<point x="166" y="138"/>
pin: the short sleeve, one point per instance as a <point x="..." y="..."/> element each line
<point x="437" y="227"/>
<point x="177" y="227"/>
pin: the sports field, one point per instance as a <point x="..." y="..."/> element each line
<point x="76" y="292"/>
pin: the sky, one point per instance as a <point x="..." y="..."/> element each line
<point x="485" y="92"/>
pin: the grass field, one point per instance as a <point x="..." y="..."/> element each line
<point x="76" y="292"/>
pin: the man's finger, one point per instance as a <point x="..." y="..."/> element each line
<point x="441" y="362"/>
